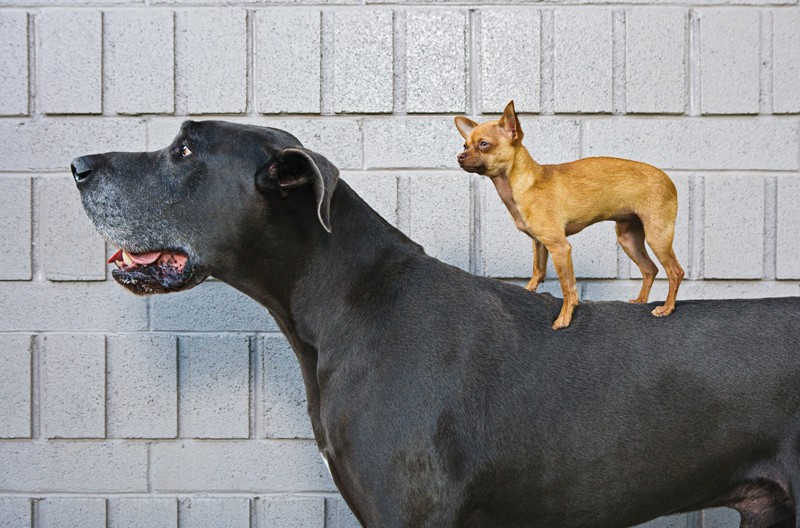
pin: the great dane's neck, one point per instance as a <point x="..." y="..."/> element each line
<point x="334" y="278"/>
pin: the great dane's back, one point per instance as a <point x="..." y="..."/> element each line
<point x="444" y="399"/>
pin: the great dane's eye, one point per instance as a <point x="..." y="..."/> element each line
<point x="185" y="151"/>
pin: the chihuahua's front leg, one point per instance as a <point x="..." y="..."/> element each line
<point x="562" y="260"/>
<point x="539" y="265"/>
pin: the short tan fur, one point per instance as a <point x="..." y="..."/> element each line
<point x="551" y="202"/>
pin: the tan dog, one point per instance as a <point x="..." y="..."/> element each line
<point x="551" y="202"/>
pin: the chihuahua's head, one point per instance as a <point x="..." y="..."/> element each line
<point x="490" y="147"/>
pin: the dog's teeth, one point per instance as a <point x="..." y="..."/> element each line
<point x="127" y="258"/>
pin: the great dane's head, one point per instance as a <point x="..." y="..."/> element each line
<point x="189" y="210"/>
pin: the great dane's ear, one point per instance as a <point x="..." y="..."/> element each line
<point x="295" y="167"/>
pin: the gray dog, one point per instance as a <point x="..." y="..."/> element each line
<point x="442" y="399"/>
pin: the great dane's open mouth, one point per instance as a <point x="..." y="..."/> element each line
<point x="151" y="272"/>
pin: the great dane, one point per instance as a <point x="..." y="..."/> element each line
<point x="443" y="399"/>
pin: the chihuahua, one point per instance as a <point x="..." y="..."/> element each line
<point x="551" y="202"/>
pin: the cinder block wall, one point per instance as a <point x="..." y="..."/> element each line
<point x="188" y="410"/>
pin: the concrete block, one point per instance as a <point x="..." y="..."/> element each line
<point x="212" y="306"/>
<point x="729" y="62"/>
<point x="338" y="139"/>
<point x="264" y="466"/>
<point x="551" y="140"/>
<point x="70" y="62"/>
<point x="142" y="386"/>
<point x="52" y="144"/>
<point x="362" y="62"/>
<point x="136" y="513"/>
<point x="15" y="237"/>
<point x="696" y="144"/>
<point x="673" y="521"/>
<point x="214" y="55"/>
<point x="74" y="386"/>
<point x="105" y="307"/>
<point x="510" y="53"/>
<point x="57" y="466"/>
<point x="594" y="252"/>
<point x="219" y="513"/>
<point x="15" y="513"/>
<point x="785" y="62"/>
<point x="788" y="235"/>
<point x="72" y="513"/>
<point x="139" y="53"/>
<point x="285" y="413"/>
<point x="411" y="143"/>
<point x="379" y="190"/>
<point x="14" y="63"/>
<point x="338" y="514"/>
<point x="434" y="210"/>
<point x="680" y="243"/>
<point x="721" y="518"/>
<point x="15" y="386"/>
<point x="734" y="226"/>
<point x="288" y="61"/>
<point x="436" y="71"/>
<point x="505" y="251"/>
<point x="214" y="387"/>
<point x="582" y="60"/>
<point x="70" y="247"/>
<point x="655" y="60"/>
<point x="294" y="512"/>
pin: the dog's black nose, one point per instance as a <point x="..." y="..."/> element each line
<point x="81" y="170"/>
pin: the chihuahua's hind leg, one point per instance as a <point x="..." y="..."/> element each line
<point x="630" y="235"/>
<point x="660" y="240"/>
<point x="539" y="265"/>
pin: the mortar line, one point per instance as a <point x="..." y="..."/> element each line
<point x="180" y="96"/>
<point x="474" y="63"/>
<point x="255" y="385"/>
<point x="693" y="65"/>
<point x="770" y="227"/>
<point x="696" y="240"/>
<point x="547" y="71"/>
<point x="106" y="369"/>
<point x="36" y="386"/>
<point x="765" y="60"/>
<point x="399" y="62"/>
<point x="619" y="72"/>
<point x="250" y="45"/>
<point x="327" y="56"/>
<point x="32" y="65"/>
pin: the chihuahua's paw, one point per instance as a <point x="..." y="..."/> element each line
<point x="662" y="311"/>
<point x="638" y="300"/>
<point x="532" y="285"/>
<point x="561" y="322"/>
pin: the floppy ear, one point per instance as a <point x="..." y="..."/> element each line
<point x="297" y="167"/>
<point x="510" y="122"/>
<point x="465" y="125"/>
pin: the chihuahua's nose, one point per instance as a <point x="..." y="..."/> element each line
<point x="462" y="156"/>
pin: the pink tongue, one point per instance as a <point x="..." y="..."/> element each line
<point x="145" y="258"/>
<point x="138" y="258"/>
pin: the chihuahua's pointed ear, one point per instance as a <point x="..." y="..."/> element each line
<point x="510" y="122"/>
<point x="295" y="167"/>
<point x="465" y="125"/>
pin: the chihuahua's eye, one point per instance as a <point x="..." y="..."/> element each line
<point x="185" y="150"/>
<point x="483" y="144"/>
<point x="465" y="146"/>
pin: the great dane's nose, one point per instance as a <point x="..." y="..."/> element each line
<point x="81" y="170"/>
